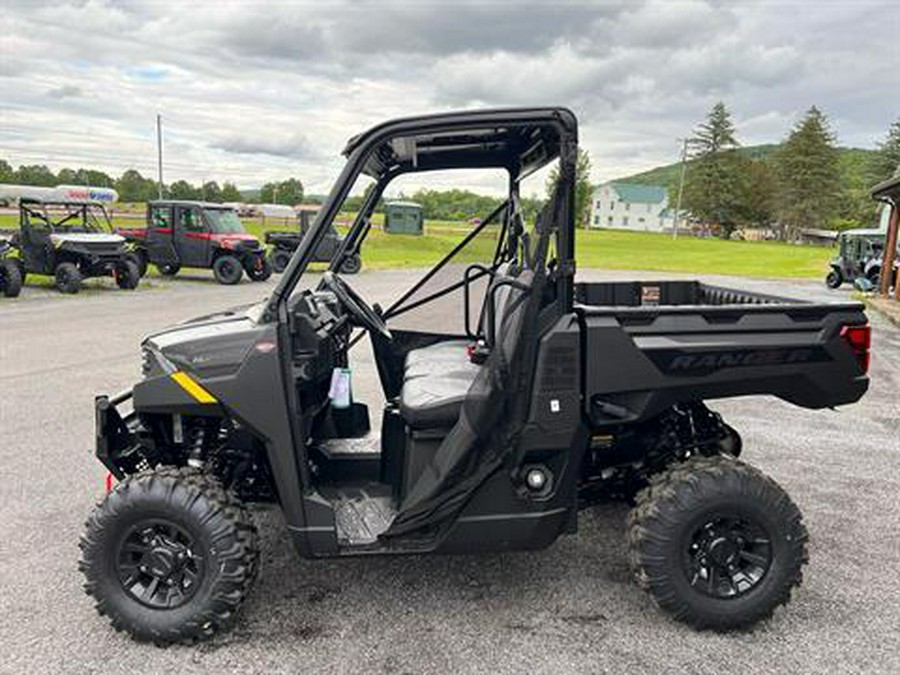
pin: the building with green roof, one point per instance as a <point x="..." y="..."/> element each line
<point x="632" y="206"/>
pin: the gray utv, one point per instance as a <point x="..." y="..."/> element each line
<point x="513" y="398"/>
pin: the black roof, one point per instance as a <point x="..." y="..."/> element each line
<point x="888" y="190"/>
<point x="519" y="139"/>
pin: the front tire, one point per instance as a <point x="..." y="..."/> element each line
<point x="227" y="270"/>
<point x="68" y="278"/>
<point x="169" y="556"/>
<point x="10" y="279"/>
<point x="128" y="275"/>
<point x="834" y="279"/>
<point x="716" y="543"/>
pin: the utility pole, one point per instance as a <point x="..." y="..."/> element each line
<point x="684" y="144"/>
<point x="159" y="152"/>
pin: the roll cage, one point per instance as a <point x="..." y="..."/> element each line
<point x="65" y="215"/>
<point x="519" y="141"/>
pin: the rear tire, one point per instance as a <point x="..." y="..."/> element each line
<point x="168" y="269"/>
<point x="716" y="543"/>
<point x="128" y="275"/>
<point x="351" y="265"/>
<point x="68" y="278"/>
<point x="10" y="279"/>
<point x="169" y="556"/>
<point x="280" y="260"/>
<point x="834" y="279"/>
<point x="227" y="270"/>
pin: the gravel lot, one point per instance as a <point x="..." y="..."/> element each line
<point x="571" y="608"/>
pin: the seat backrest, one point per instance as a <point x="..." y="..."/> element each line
<point x="495" y="301"/>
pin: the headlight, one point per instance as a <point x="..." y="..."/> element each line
<point x="153" y="363"/>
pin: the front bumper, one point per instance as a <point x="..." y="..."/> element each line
<point x="115" y="434"/>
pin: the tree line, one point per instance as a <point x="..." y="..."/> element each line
<point x="133" y="187"/>
<point x="801" y="185"/>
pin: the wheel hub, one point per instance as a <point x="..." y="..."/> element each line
<point x="723" y="552"/>
<point x="727" y="557"/>
<point x="157" y="565"/>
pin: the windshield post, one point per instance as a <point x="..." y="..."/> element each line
<point x="360" y="227"/>
<point x="565" y="233"/>
<point x="310" y="241"/>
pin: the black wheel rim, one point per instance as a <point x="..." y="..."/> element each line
<point x="158" y="564"/>
<point x="727" y="556"/>
<point x="227" y="269"/>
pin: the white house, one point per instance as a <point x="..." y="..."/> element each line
<point x="631" y="206"/>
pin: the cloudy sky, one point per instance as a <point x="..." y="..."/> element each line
<point x="250" y="93"/>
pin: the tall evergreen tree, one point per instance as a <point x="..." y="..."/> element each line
<point x="713" y="187"/>
<point x="887" y="161"/>
<point x="809" y="178"/>
<point x="758" y="192"/>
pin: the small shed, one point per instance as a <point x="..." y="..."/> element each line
<point x="403" y="218"/>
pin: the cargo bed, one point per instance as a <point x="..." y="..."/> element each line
<point x="649" y="345"/>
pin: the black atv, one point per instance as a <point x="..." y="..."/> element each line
<point x="513" y="398"/>
<point x="283" y="244"/>
<point x="71" y="241"/>
<point x="10" y="271"/>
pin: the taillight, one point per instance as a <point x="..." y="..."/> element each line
<point x="860" y="339"/>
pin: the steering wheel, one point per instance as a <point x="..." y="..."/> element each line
<point x="365" y="315"/>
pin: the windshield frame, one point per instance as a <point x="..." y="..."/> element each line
<point x="213" y="222"/>
<point x="361" y="149"/>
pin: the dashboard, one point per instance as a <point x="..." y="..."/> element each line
<point x="320" y="334"/>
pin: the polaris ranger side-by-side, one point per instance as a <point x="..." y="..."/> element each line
<point x="283" y="245"/>
<point x="513" y="397"/>
<point x="70" y="241"/>
<point x="198" y="234"/>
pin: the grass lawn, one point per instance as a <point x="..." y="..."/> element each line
<point x="605" y="249"/>
<point x="611" y="249"/>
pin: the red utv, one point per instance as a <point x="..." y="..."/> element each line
<point x="198" y="234"/>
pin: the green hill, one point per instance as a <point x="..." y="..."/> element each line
<point x="853" y="165"/>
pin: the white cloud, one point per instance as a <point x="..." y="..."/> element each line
<point x="250" y="94"/>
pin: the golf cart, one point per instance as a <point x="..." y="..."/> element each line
<point x="71" y="241"/>
<point x="198" y="234"/>
<point x="285" y="243"/>
<point x="10" y="271"/>
<point x="860" y="254"/>
<point x="512" y="397"/>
